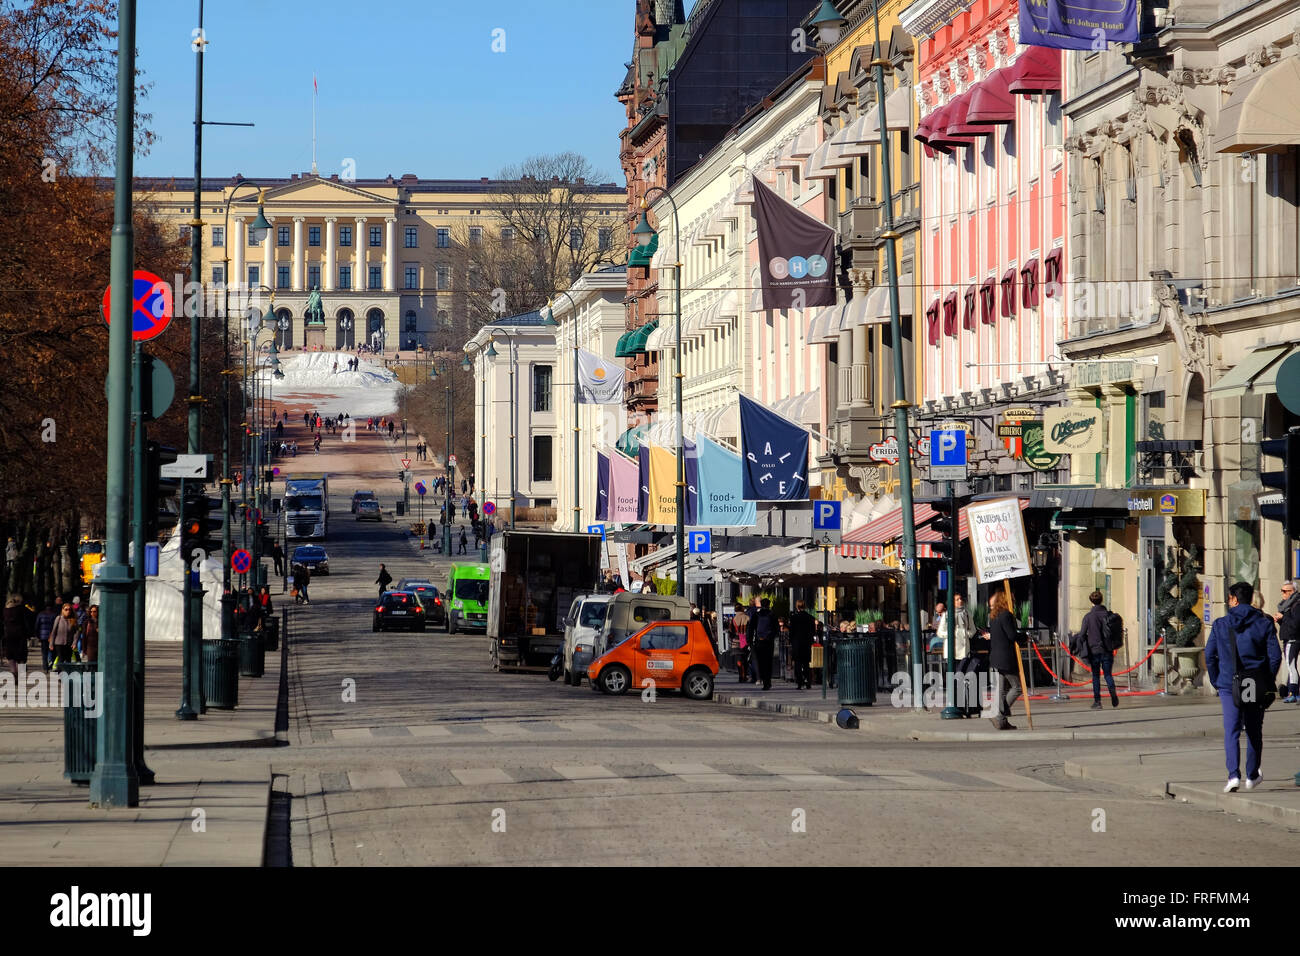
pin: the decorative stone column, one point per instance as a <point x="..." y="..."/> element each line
<point x="360" y="239"/>
<point x="297" y="276"/>
<point x="237" y="239"/>
<point x="331" y="257"/>
<point x="268" y="256"/>
<point x="390" y="254"/>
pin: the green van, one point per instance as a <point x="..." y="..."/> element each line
<point x="467" y="597"/>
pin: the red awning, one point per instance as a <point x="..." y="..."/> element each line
<point x="932" y="322"/>
<point x="950" y="314"/>
<point x="988" y="297"/>
<point x="926" y="128"/>
<point x="1029" y="284"/>
<point x="958" y="126"/>
<point x="1053" y="272"/>
<point x="1038" y="70"/>
<point x="888" y="529"/>
<point x="1009" y="293"/>
<point x="991" y="102"/>
<point x="968" y="310"/>
<point x="932" y="130"/>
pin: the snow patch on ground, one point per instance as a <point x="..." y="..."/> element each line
<point x="310" y="380"/>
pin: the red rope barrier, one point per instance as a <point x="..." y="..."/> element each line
<point x="1069" y="683"/>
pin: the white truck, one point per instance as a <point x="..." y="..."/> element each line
<point x="306" y="506"/>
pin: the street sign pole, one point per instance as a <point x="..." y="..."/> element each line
<point x="950" y="710"/>
<point x="141" y="415"/>
<point x="826" y="614"/>
<point x="113" y="782"/>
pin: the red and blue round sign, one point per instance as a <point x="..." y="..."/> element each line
<point x="241" y="561"/>
<point x="151" y="308"/>
<point x="489" y="508"/>
<point x="420" y="488"/>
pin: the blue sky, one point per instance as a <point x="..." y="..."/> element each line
<point x="406" y="86"/>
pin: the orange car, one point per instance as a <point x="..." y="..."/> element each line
<point x="676" y="655"/>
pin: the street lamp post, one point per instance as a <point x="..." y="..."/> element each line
<point x="644" y="234"/>
<point x="577" y="394"/>
<point x="828" y="21"/>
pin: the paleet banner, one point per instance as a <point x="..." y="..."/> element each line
<point x="796" y="254"/>
<point x="774" y="455"/>
<point x="599" y="382"/>
<point x="1075" y="25"/>
<point x="602" y="486"/>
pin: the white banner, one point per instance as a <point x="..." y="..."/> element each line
<point x="996" y="530"/>
<point x="599" y="382"/>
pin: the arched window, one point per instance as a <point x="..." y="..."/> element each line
<point x="376" y="334"/>
<point x="345" y="334"/>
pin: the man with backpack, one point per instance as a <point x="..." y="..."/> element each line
<point x="1241" y="659"/>
<point x="1100" y="635"/>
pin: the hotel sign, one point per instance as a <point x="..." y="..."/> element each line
<point x="1072" y="430"/>
<point x="1083" y="374"/>
<point x="1166" y="502"/>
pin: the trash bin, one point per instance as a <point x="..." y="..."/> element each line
<point x="221" y="673"/>
<point x="856" y="670"/>
<point x="252" y="655"/>
<point x="80" y="729"/>
<point x="271" y="633"/>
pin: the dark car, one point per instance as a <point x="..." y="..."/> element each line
<point x="430" y="598"/>
<point x="312" y="557"/>
<point x="367" y="508"/>
<point x="399" y="609"/>
<point x="358" y="496"/>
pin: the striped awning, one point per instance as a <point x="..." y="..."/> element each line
<point x="886" y="532"/>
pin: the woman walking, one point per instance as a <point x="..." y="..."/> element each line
<point x="740" y="625"/>
<point x="1004" y="653"/>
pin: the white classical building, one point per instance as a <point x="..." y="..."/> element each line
<point x="588" y="315"/>
<point x="514" y="413"/>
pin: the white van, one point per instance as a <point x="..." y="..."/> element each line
<point x="582" y="628"/>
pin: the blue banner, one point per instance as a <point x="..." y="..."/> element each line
<point x="774" y="455"/>
<point x="721" y="502"/>
<point x="642" y="482"/>
<point x="602" y="487"/>
<point x="1073" y="25"/>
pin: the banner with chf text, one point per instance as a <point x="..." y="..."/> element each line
<point x="774" y="455"/>
<point x="602" y="486"/>
<point x="720" y="483"/>
<point x="1074" y="25"/>
<point x="796" y="254"/>
<point x="663" y="487"/>
<point x="599" y="382"/>
<point x="623" y="484"/>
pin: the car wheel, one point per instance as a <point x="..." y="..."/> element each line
<point x="451" y="624"/>
<point x="698" y="684"/>
<point x="615" y="680"/>
<point x="374" y="626"/>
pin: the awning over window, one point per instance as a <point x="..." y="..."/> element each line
<point x="663" y="337"/>
<point x="932" y="322"/>
<point x="820" y="164"/>
<point x="1029" y="284"/>
<point x="968" y="309"/>
<point x="950" y="314"/>
<point x="991" y="103"/>
<point x="642" y="256"/>
<point x="629" y="443"/>
<point x="619" y="349"/>
<point x="1037" y="70"/>
<point x="824" y="325"/>
<point x="958" y="125"/>
<point x="721" y="423"/>
<point x="1077" y="500"/>
<point x="898" y="114"/>
<point x="756" y="291"/>
<point x="1256" y="374"/>
<point x="635" y="341"/>
<point x="988" y="301"/>
<point x="1053" y="272"/>
<point x="802" y="408"/>
<point x="1263" y="112"/>
<point x="1009" y="293"/>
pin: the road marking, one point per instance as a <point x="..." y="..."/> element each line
<point x="590" y="727"/>
<point x="428" y="730"/>
<point x="796" y="774"/>
<point x="481" y="775"/>
<point x="585" y="772"/>
<point x="352" y="733"/>
<point x="1014" y="781"/>
<point x="908" y="780"/>
<point x="375" y="780"/>
<point x="655" y="728"/>
<point x="699" y="773"/>
<point x="504" y="729"/>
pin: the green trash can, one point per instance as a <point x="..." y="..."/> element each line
<point x="252" y="655"/>
<point x="856" y="670"/>
<point x="271" y="633"/>
<point x="221" y="673"/>
<point x="80" y="729"/>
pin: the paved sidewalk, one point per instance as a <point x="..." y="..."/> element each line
<point x="47" y="820"/>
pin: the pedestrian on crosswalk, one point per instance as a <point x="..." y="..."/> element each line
<point x="383" y="580"/>
<point x="464" y="540"/>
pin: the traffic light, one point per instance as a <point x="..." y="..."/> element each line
<point x="203" y="526"/>
<point x="945" y="524"/>
<point x="159" y="492"/>
<point x="1287" y="481"/>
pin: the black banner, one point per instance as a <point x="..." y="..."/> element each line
<point x="796" y="254"/>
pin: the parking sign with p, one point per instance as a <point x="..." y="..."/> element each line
<point x="948" y="455"/>
<point x="700" y="545"/>
<point x="826" y="523"/>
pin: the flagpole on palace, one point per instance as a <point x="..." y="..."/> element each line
<point x="315" y="93"/>
<point x="643" y="234"/>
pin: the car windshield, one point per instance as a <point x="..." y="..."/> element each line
<point x="364" y="496"/>
<point x="593" y="613"/>
<point x="302" y="502"/>
<point x="308" y="553"/>
<point x="473" y="589"/>
<point x="399" y="600"/>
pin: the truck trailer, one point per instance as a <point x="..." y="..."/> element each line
<point x="306" y="506"/>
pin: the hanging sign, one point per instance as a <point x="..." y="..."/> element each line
<point x="1072" y="430"/>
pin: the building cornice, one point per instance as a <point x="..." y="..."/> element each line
<point x="925" y="18"/>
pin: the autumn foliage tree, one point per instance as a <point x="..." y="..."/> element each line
<point x="58" y="90"/>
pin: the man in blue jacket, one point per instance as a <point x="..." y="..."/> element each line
<point x="1256" y="640"/>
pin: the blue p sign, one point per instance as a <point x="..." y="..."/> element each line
<point x="701" y="542"/>
<point x="948" y="447"/>
<point x="826" y="515"/>
<point x="597" y="529"/>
